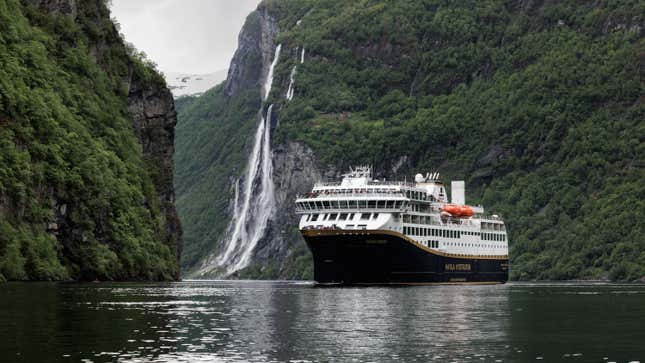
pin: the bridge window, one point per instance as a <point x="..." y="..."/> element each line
<point x="365" y="216"/>
<point x="343" y="216"/>
<point x="333" y="216"/>
<point x="315" y="217"/>
<point x="353" y="204"/>
<point x="371" y="204"/>
<point x="375" y="215"/>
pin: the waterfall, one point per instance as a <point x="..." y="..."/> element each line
<point x="251" y="216"/>
<point x="302" y="55"/>
<point x="265" y="201"/>
<point x="292" y="80"/>
<point x="269" y="80"/>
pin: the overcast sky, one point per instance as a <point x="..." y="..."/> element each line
<point x="184" y="36"/>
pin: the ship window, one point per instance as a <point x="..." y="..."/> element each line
<point x="314" y="217"/>
<point x="375" y="215"/>
<point x="350" y="226"/>
<point x="365" y="216"/>
<point x="343" y="216"/>
<point x="389" y="204"/>
<point x="371" y="204"/>
<point x="325" y="204"/>
<point x="351" y="216"/>
<point x="380" y="204"/>
<point x="333" y="216"/>
<point x="362" y="204"/>
<point x="334" y="204"/>
<point x="353" y="204"/>
<point x="362" y="226"/>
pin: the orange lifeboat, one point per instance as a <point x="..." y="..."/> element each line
<point x="459" y="211"/>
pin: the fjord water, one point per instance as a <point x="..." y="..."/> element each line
<point x="252" y="321"/>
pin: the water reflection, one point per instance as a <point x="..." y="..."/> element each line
<point x="221" y="321"/>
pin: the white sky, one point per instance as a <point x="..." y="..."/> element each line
<point x="184" y="36"/>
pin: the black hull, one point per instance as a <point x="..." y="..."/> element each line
<point x="344" y="257"/>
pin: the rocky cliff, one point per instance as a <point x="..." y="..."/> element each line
<point x="520" y="99"/>
<point x="98" y="198"/>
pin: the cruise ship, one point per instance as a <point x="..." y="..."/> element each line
<point x="366" y="231"/>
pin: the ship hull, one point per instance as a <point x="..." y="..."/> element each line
<point x="343" y="257"/>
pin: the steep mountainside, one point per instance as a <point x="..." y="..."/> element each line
<point x="86" y="145"/>
<point x="538" y="105"/>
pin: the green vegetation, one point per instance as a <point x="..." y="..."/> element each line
<point x="537" y="105"/>
<point x="557" y="89"/>
<point x="76" y="198"/>
<point x="209" y="156"/>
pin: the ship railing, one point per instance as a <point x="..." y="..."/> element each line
<point x="351" y="195"/>
<point x="371" y="182"/>
<point x="491" y="217"/>
<point x="300" y="210"/>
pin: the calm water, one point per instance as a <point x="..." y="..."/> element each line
<point x="293" y="322"/>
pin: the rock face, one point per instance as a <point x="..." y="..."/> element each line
<point x="256" y="44"/>
<point x="154" y="119"/>
<point x="294" y="173"/>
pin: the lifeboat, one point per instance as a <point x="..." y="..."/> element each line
<point x="459" y="211"/>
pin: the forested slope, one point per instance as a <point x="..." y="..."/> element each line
<point x="538" y="105"/>
<point x="86" y="140"/>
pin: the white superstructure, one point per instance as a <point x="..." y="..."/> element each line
<point x="420" y="211"/>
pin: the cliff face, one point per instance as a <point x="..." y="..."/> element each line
<point x="105" y="196"/>
<point x="154" y="118"/>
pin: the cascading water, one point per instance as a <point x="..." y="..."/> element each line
<point x="251" y="216"/>
<point x="269" y="81"/>
<point x="292" y="80"/>
<point x="302" y="55"/>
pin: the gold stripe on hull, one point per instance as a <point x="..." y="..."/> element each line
<point x="342" y="232"/>
<point x="415" y="283"/>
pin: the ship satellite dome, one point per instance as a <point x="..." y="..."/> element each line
<point x="419" y="178"/>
